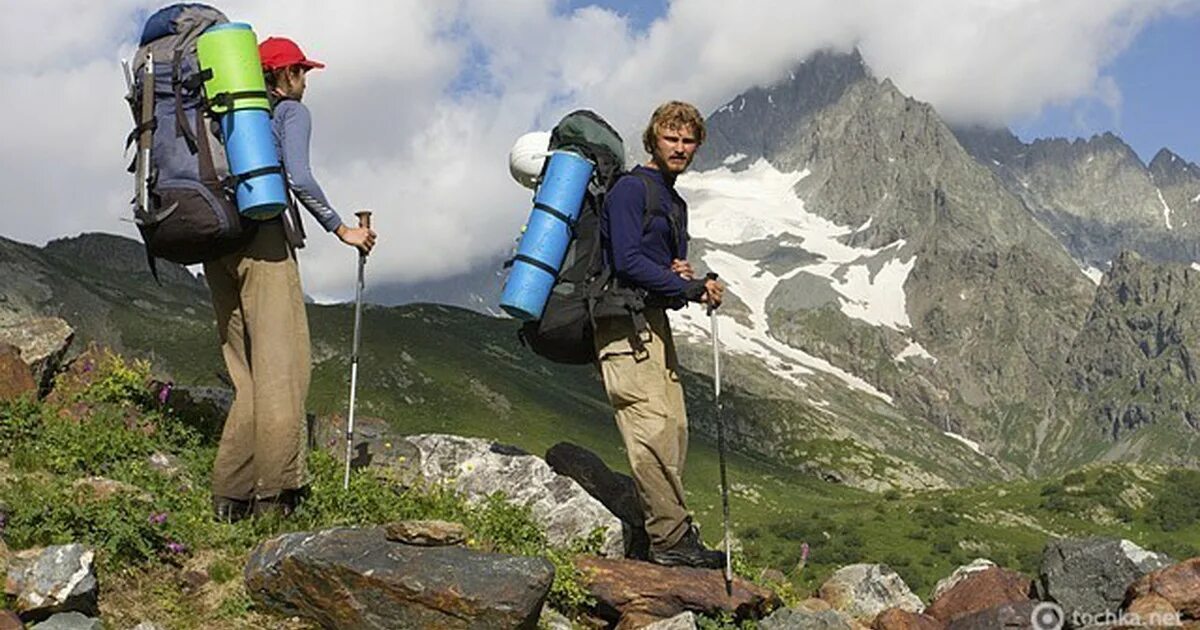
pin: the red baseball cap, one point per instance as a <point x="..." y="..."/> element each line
<point x="281" y="52"/>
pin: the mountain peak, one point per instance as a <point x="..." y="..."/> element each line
<point x="750" y="123"/>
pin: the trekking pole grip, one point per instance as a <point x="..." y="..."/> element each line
<point x="364" y="218"/>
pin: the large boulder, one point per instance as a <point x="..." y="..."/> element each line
<point x="479" y="468"/>
<point x="900" y="619"/>
<point x="1087" y="577"/>
<point x="357" y="578"/>
<point x="16" y="379"/>
<point x="979" y="591"/>
<point x="959" y="574"/>
<point x="69" y="621"/>
<point x="42" y="582"/>
<point x="801" y="619"/>
<point x="1011" y="616"/>
<point x="43" y="342"/>
<point x="865" y="590"/>
<point x="1178" y="584"/>
<point x="629" y="588"/>
<point x="615" y="490"/>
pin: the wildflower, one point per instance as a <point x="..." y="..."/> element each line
<point x="158" y="518"/>
<point x="175" y="547"/>
<point x="164" y="392"/>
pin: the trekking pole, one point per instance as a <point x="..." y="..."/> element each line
<point x="716" y="345"/>
<point x="364" y="221"/>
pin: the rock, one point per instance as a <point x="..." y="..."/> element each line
<point x="682" y="621"/>
<point x="42" y="582"/>
<point x="553" y="620"/>
<point x="772" y="575"/>
<point x="959" y="574"/>
<point x="164" y="463"/>
<point x="16" y="379"/>
<point x="69" y="621"/>
<point x="327" y="576"/>
<point x="624" y="587"/>
<point x="1018" y="615"/>
<point x="148" y="625"/>
<point x="981" y="590"/>
<point x="479" y="468"/>
<point x="1179" y="584"/>
<point x="43" y="341"/>
<point x="865" y="590"/>
<point x="615" y="490"/>
<point x="204" y="408"/>
<point x="900" y="619"/>
<point x="1152" y="610"/>
<point x="1088" y="576"/>
<point x="427" y="533"/>
<point x="103" y="488"/>
<point x="10" y="621"/>
<point x="376" y="445"/>
<point x="799" y="619"/>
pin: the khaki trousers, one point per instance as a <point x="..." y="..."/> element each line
<point x="647" y="398"/>
<point x="264" y="337"/>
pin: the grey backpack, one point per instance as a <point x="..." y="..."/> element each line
<point x="184" y="196"/>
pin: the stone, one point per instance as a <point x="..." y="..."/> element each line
<point x="326" y="576"/>
<point x="553" y="620"/>
<point x="958" y="575"/>
<point x="42" y="342"/>
<point x="479" y="468"/>
<point x="865" y="590"/>
<point x="16" y="379"/>
<point x="682" y="621"/>
<point x="799" y="619"/>
<point x="981" y="590"/>
<point x="613" y="489"/>
<point x="62" y="578"/>
<point x="103" y="488"/>
<point x="1178" y="584"/>
<point x="1018" y="615"/>
<point x="623" y="587"/>
<point x="426" y="533"/>
<point x="69" y="621"/>
<point x="900" y="619"/>
<point x="1089" y="576"/>
<point x="10" y="621"/>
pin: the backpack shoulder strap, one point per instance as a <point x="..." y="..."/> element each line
<point x="655" y="206"/>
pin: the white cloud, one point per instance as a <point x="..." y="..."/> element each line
<point x="421" y="100"/>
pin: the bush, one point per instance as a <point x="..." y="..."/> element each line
<point x="1178" y="504"/>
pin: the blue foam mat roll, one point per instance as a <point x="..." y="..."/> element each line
<point x="547" y="235"/>
<point x="250" y="145"/>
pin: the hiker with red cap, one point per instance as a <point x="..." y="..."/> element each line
<point x="260" y="464"/>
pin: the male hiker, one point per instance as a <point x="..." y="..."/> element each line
<point x="639" y="367"/>
<point x="261" y="319"/>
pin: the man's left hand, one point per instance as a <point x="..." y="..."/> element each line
<point x="683" y="268"/>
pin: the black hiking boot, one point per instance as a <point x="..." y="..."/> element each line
<point x="227" y="510"/>
<point x="689" y="552"/>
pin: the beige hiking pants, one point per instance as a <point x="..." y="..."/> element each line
<point x="647" y="397"/>
<point x="264" y="336"/>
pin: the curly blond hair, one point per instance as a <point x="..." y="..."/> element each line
<point x="673" y="115"/>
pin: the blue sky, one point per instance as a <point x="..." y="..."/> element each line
<point x="1159" y="78"/>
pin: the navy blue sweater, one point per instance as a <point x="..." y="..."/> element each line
<point x="643" y="258"/>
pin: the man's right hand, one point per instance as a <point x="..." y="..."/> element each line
<point x="360" y="237"/>
<point x="713" y="292"/>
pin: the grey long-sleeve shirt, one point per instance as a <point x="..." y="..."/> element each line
<point x="292" y="124"/>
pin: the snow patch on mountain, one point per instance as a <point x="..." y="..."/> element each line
<point x="730" y="208"/>
<point x="914" y="349"/>
<point x="1166" y="210"/>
